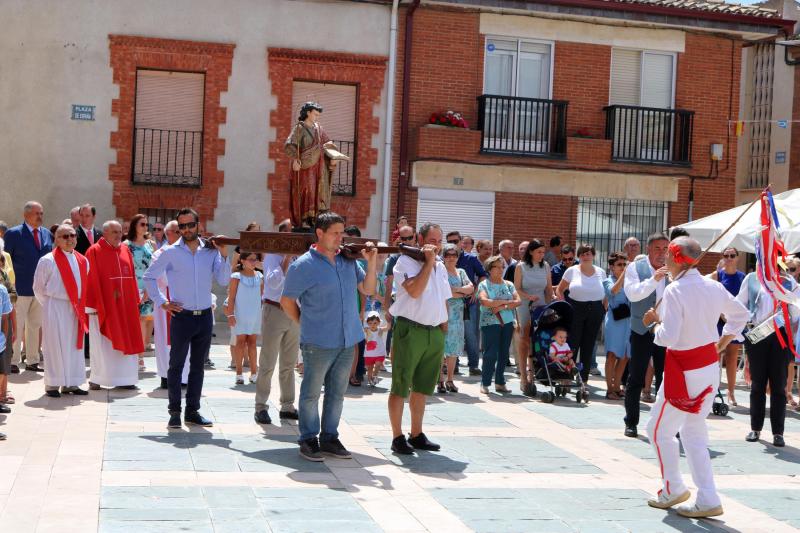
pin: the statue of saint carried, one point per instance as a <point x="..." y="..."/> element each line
<point x="314" y="157"/>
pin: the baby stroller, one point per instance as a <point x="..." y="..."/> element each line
<point x="545" y="320"/>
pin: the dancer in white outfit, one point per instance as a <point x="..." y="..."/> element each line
<point x="690" y="310"/>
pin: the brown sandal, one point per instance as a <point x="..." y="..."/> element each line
<point x="451" y="387"/>
<point x="9" y="399"/>
<point x="611" y="395"/>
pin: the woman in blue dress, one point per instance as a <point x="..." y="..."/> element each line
<point x="731" y="278"/>
<point x="617" y="325"/>
<point x="142" y="252"/>
<point x="460" y="286"/>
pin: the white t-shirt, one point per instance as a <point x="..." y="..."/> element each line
<point x="585" y="288"/>
<point x="430" y="308"/>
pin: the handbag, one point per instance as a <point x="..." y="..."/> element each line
<point x="621" y="312"/>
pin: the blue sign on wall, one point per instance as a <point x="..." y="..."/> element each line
<point x="490" y="47"/>
<point x="82" y="112"/>
<point x="783" y="124"/>
<point x="780" y="158"/>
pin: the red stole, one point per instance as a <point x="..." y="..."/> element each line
<point x="676" y="363"/>
<point x="114" y="293"/>
<point x="68" y="279"/>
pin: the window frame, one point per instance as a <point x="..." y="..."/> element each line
<point x="642" y="52"/>
<point x="199" y="183"/>
<point x="515" y="76"/>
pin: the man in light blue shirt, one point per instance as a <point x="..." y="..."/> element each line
<point x="320" y="293"/>
<point x="189" y="264"/>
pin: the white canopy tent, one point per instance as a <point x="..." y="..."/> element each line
<point x="741" y="236"/>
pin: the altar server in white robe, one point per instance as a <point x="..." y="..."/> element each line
<point x="60" y="286"/>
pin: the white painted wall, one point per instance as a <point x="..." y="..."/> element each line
<point x="54" y="54"/>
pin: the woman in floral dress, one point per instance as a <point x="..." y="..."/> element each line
<point x="454" y="341"/>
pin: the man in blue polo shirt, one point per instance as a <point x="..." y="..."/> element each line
<point x="475" y="272"/>
<point x="320" y="294"/>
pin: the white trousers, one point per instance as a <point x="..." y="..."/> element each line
<point x="29" y="322"/>
<point x="666" y="421"/>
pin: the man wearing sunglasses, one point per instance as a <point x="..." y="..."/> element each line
<point x="159" y="236"/>
<point x="190" y="266"/>
<point x="567" y="260"/>
<point x="60" y="285"/>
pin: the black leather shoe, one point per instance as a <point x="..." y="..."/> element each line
<point x="630" y="431"/>
<point x="209" y="364"/>
<point x="128" y="387"/>
<point x="262" y="417"/>
<point x="94" y="386"/>
<point x="777" y="440"/>
<point x="174" y="420"/>
<point x="400" y="445"/>
<point x="196" y="419"/>
<point x="474" y="371"/>
<point x="14" y="369"/>
<point x="289" y="415"/>
<point x="164" y="383"/>
<point x="421" y="442"/>
<point x="76" y="391"/>
<point x="4" y="409"/>
<point x="753" y="436"/>
<point x="34" y="368"/>
<point x="53" y="393"/>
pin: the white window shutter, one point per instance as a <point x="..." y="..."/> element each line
<point x="626" y="69"/>
<point x="657" y="83"/>
<point x="338" y="107"/>
<point x="468" y="212"/>
<point x="169" y="100"/>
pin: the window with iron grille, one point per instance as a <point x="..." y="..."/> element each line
<point x="339" y="104"/>
<point x="759" y="85"/>
<point x="168" y="133"/>
<point x="607" y="223"/>
<point x="160" y="215"/>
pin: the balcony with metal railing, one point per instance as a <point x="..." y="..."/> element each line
<point x="522" y="126"/>
<point x="650" y="135"/>
<point x="167" y="157"/>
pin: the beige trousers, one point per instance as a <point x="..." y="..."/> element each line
<point x="280" y="344"/>
<point x="29" y="322"/>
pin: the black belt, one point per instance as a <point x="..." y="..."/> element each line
<point x="195" y="313"/>
<point x="272" y="303"/>
<point x="417" y="324"/>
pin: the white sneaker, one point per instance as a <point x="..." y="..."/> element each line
<point x="697" y="511"/>
<point x="253" y="378"/>
<point x="239" y="379"/>
<point x="664" y="501"/>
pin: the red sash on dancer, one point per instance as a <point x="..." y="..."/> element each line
<point x="676" y="363"/>
<point x="78" y="301"/>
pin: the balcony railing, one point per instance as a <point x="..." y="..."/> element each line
<point x="343" y="181"/>
<point x="167" y="157"/>
<point x="650" y="135"/>
<point x="522" y="126"/>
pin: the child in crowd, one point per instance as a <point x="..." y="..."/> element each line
<point x="560" y="352"/>
<point x="375" y="351"/>
<point x="244" y="312"/>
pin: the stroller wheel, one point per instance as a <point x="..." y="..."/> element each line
<point x="559" y="388"/>
<point x="548" y="397"/>
<point x="723" y="410"/>
<point x="530" y="390"/>
<point x="715" y="409"/>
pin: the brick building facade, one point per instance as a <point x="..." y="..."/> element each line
<point x="570" y="175"/>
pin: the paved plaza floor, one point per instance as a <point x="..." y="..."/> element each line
<point x="106" y="462"/>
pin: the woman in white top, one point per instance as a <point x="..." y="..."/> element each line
<point x="586" y="294"/>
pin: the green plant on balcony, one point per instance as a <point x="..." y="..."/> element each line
<point x="451" y="119"/>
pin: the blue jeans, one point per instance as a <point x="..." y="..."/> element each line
<point x="330" y="366"/>
<point x="496" y="341"/>
<point x="472" y="335"/>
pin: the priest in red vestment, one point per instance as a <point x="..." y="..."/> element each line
<point x="115" y="337"/>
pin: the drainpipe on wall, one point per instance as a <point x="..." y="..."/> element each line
<point x="402" y="182"/>
<point x="387" y="145"/>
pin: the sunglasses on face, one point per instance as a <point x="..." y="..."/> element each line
<point x="453" y="242"/>
<point x="144" y="224"/>
<point x="189" y="225"/>
<point x="68" y="236"/>
<point x="568" y="259"/>
<point x="158" y="229"/>
<point x="451" y="255"/>
<point x="729" y="256"/>
<point x="406" y="239"/>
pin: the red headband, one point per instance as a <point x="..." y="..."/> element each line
<point x="678" y="256"/>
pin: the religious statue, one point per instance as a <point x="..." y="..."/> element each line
<point x="314" y="157"/>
